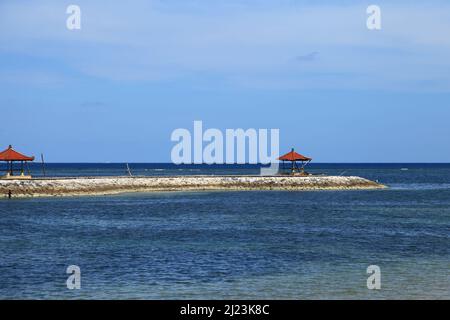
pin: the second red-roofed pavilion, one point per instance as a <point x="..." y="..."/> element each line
<point x="293" y="157"/>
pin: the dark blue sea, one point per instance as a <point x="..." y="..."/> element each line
<point x="246" y="245"/>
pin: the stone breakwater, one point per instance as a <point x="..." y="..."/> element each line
<point x="114" y="185"/>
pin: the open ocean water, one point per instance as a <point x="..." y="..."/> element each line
<point x="246" y="245"/>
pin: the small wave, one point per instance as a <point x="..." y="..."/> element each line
<point x="420" y="186"/>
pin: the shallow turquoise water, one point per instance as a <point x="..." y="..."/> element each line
<point x="202" y="245"/>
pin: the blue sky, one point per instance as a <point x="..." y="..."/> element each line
<point x="116" y="89"/>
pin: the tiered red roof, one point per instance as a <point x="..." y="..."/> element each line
<point x="294" y="156"/>
<point x="11" y="155"/>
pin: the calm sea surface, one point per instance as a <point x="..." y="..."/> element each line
<point x="247" y="245"/>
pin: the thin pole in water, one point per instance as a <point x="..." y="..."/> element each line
<point x="43" y="164"/>
<point x="129" y="171"/>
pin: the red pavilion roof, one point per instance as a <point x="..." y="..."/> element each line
<point x="294" y="156"/>
<point x="11" y="155"/>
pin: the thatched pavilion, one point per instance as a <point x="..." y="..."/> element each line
<point x="10" y="156"/>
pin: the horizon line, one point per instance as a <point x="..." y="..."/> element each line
<point x="124" y="162"/>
